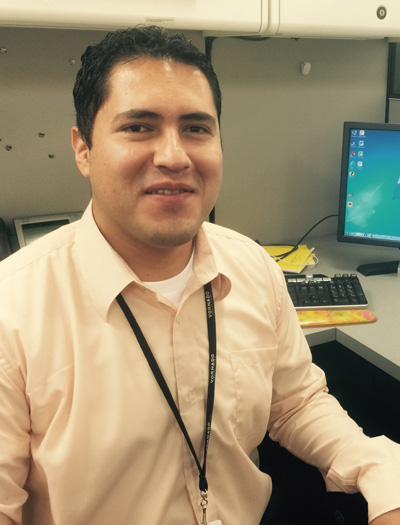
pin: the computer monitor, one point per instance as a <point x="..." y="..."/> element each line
<point x="29" y="229"/>
<point x="369" y="202"/>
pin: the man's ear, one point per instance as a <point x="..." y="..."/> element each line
<point x="81" y="152"/>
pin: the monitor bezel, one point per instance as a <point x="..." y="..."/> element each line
<point x="341" y="237"/>
<point x="55" y="217"/>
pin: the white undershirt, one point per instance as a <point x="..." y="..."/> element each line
<point x="174" y="287"/>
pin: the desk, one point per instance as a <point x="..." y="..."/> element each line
<point x="378" y="343"/>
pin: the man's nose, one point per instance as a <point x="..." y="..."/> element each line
<point x="170" y="152"/>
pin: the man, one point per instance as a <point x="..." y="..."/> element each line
<point x="113" y="388"/>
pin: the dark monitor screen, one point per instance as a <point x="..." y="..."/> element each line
<point x="369" y="203"/>
<point x="29" y="229"/>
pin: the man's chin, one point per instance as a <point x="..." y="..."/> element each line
<point x="172" y="239"/>
<point x="172" y="242"/>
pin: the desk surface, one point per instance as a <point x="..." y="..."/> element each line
<point x="378" y="343"/>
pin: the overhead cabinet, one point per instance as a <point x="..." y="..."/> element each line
<point x="285" y="18"/>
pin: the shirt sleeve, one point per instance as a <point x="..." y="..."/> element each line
<point x="311" y="424"/>
<point x="14" y="437"/>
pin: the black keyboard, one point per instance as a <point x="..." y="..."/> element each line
<point x="342" y="291"/>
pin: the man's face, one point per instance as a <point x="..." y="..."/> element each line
<point x="155" y="165"/>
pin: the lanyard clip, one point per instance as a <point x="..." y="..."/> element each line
<point x="204" y="505"/>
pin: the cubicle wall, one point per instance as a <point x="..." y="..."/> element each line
<point x="281" y="129"/>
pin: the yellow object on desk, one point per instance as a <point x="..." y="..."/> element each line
<point x="296" y="261"/>
<point x="312" y="318"/>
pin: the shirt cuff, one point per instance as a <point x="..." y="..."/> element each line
<point x="381" y="488"/>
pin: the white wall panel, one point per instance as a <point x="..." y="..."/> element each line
<point x="224" y="15"/>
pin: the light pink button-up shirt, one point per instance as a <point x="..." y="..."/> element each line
<point x="84" y="428"/>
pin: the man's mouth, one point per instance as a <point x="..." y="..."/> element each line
<point x="167" y="192"/>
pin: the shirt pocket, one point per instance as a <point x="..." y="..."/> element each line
<point x="252" y="373"/>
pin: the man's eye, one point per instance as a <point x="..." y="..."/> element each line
<point x="136" y="128"/>
<point x="198" y="129"/>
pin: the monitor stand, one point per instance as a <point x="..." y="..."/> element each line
<point x="379" y="268"/>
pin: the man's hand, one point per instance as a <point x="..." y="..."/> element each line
<point x="389" y="518"/>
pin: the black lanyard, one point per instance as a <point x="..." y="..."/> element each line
<point x="212" y="344"/>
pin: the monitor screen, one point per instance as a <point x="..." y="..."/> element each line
<point x="369" y="204"/>
<point x="29" y="229"/>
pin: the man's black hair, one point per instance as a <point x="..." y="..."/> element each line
<point x="91" y="85"/>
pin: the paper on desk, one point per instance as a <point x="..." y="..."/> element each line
<point x="296" y="261"/>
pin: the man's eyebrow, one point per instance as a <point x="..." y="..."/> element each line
<point x="137" y="114"/>
<point x="199" y="116"/>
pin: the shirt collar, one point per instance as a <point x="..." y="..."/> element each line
<point x="106" y="274"/>
<point x="208" y="268"/>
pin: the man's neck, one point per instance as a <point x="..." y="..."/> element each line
<point x="152" y="264"/>
<point x="162" y="264"/>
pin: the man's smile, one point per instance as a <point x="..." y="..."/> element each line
<point x="169" y="192"/>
